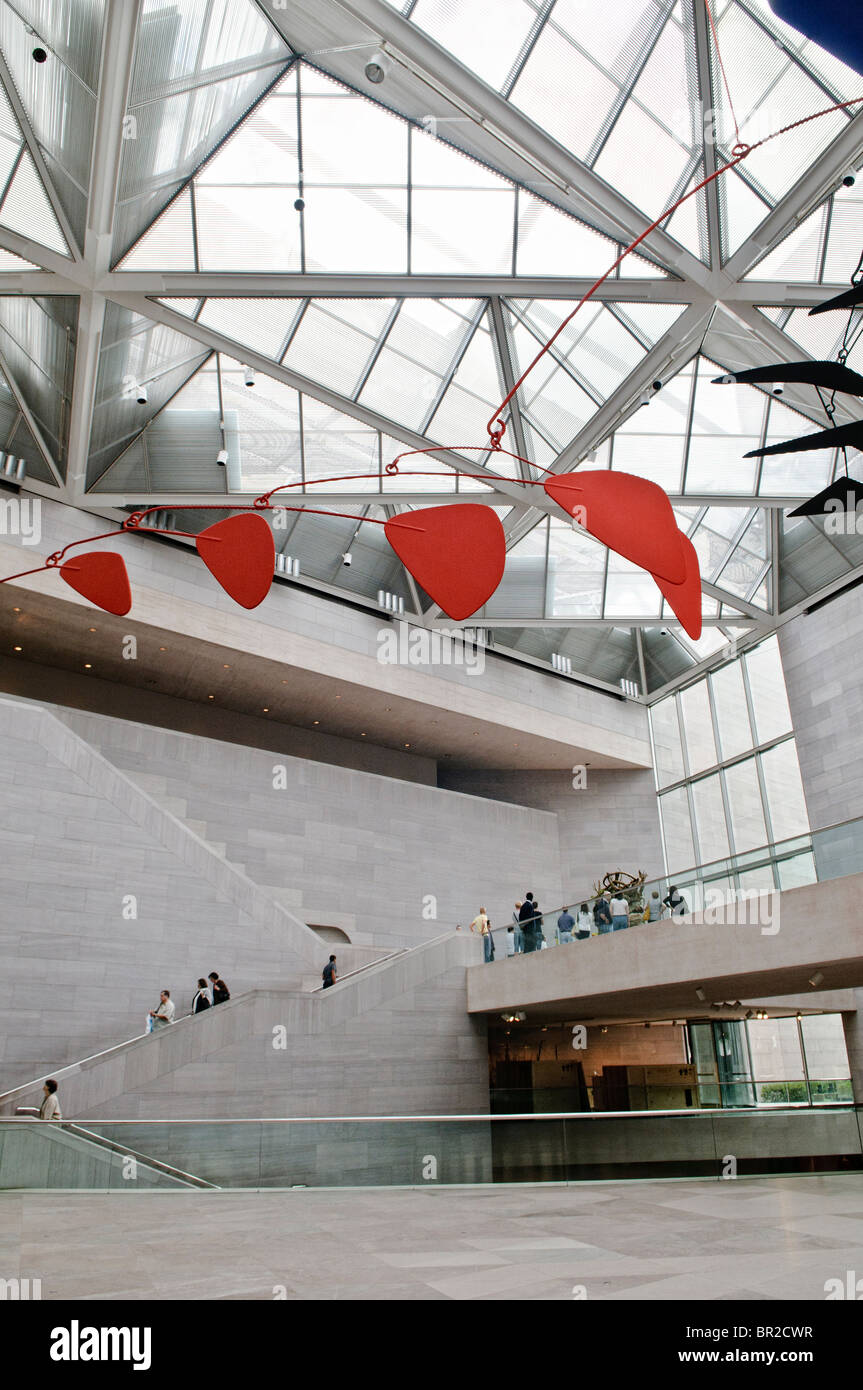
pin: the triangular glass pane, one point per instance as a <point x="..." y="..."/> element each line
<point x="329" y="347"/>
<point x="27" y="210"/>
<point x="652" y="143"/>
<point x="549" y="242"/>
<point x="16" y="437"/>
<point x="471" y="398"/>
<point x="262" y="324"/>
<point x="170" y="242"/>
<point x="769" y="89"/>
<point x="421" y="349"/>
<point x="688" y="224"/>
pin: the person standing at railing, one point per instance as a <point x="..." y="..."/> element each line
<point x="565" y="924"/>
<point x="518" y="934"/>
<point x="602" y="914"/>
<point x="482" y="925"/>
<point x="654" y="907"/>
<point x="675" y="902"/>
<point x="619" y="909"/>
<point x="526" y="914"/>
<point x="585" y="924"/>
<point x="50" y="1107"/>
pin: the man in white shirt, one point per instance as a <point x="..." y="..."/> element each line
<point x="619" y="909"/>
<point x="165" y="1013"/>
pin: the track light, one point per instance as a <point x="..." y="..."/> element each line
<point x="141" y="395"/>
<point x="347" y="558"/>
<point x="700" y="995"/>
<point x="776" y="388"/>
<point x="815" y="980"/>
<point x="222" y="457"/>
<point x="377" y="67"/>
<point x="850" y="178"/>
<point x="249" y="376"/>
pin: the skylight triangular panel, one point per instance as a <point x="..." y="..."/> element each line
<point x="262" y="324"/>
<point x="170" y="242"/>
<point x="646" y="153"/>
<point x="769" y="90"/>
<point x="27" y="210"/>
<point x="688" y="225"/>
<point x="798" y="256"/>
<point x="9" y="261"/>
<point x="549" y="242"/>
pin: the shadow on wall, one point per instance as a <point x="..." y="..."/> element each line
<point x="331" y="934"/>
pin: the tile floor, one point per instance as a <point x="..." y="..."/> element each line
<point x="778" y="1238"/>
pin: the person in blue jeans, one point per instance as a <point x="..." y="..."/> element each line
<point x="482" y="925"/>
<point x="602" y="915"/>
<point x="619" y="909"/>
<point x="518" y="934"/>
<point x="565" y="924"/>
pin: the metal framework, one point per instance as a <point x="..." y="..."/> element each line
<point x="719" y="307"/>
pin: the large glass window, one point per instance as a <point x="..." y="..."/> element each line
<point x="732" y="714"/>
<point x="728" y="775"/>
<point x="698" y="727"/>
<point x="668" y="754"/>
<point x="784" y="791"/>
<point x="710" y="819"/>
<point x="744" y="802"/>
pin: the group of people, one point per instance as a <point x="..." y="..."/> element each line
<point x="610" y="912"/>
<point x="211" y="991"/>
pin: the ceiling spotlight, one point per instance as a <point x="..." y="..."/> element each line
<point x="347" y="558"/>
<point x="749" y="1014"/>
<point x="249" y="377"/>
<point x="815" y="980"/>
<point x="299" y="204"/>
<point x="776" y="388"/>
<point x="656" y="386"/>
<point x="40" y="56"/>
<point x="377" y="67"/>
<point x="141" y="395"/>
<point x="850" y="179"/>
<point x="222" y="457"/>
<point x="644" y="398"/>
<point x="699" y="994"/>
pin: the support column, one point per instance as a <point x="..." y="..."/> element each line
<point x="853" y="1027"/>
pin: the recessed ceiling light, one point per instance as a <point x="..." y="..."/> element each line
<point x="163" y="649"/>
<point x="211" y="697"/>
<point x="316" y="721"/>
<point x="407" y="745"/>
<point x="16" y="610"/>
<point x="284" y="682"/>
<point x="88" y="666"/>
<point x="338" y="697"/>
<point x="362" y="735"/>
<point x="266" y="709"/>
<point x="17" y="649"/>
<point x="91" y="629"/>
<point x="227" y="668"/>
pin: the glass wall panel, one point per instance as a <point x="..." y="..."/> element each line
<point x="710" y="819"/>
<point x="666" y="742"/>
<point x="824" y="1046"/>
<point x="677" y="830"/>
<point x="698" y="727"/>
<point x="732" y="715"/>
<point x="793" y="873"/>
<point x="777" y="1061"/>
<point x="785" y="799"/>
<point x="744" y="800"/>
<point x="767" y="685"/>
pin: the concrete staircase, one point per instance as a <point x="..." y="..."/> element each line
<point x="351" y="1024"/>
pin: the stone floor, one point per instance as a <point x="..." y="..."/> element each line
<point x="778" y="1238"/>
